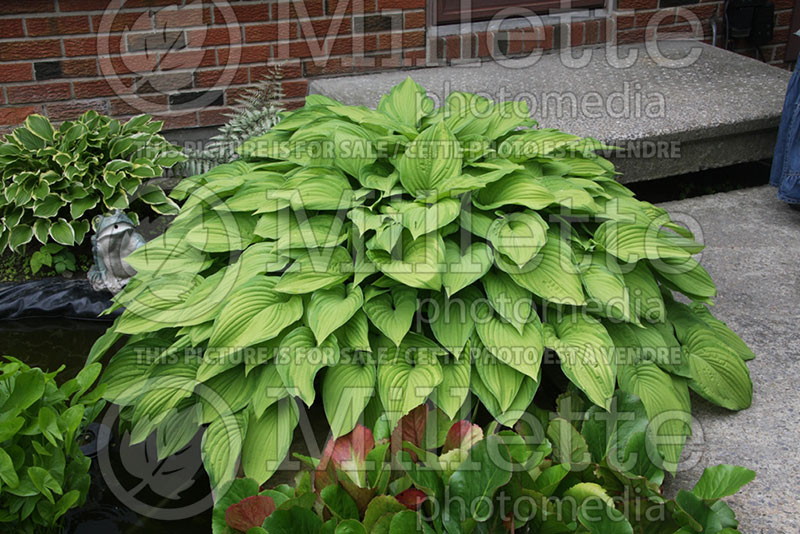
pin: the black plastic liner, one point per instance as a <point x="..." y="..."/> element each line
<point x="53" y="297"/>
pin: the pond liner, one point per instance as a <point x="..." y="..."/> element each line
<point x="54" y="297"/>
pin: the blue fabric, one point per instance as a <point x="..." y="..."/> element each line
<point x="785" y="173"/>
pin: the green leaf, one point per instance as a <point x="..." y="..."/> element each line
<point x="331" y="308"/>
<point x="551" y="274"/>
<point x="341" y="505"/>
<point x="602" y="518"/>
<point x="452" y="319"/>
<point x="228" y="495"/>
<point x="421" y="218"/>
<point x="521" y="351"/>
<point x="477" y="479"/>
<point x="605" y="285"/>
<point x="294" y="520"/>
<point x="515" y="189"/>
<point x="631" y="242"/>
<point x="512" y="302"/>
<point x="299" y="360"/>
<point x="80" y="206"/>
<point x="314" y="270"/>
<point x="569" y="447"/>
<point x="461" y="271"/>
<point x="406" y="103"/>
<point x="452" y="392"/>
<point x="20" y="235"/>
<point x="346" y="390"/>
<point x="393" y="312"/>
<point x="430" y="161"/>
<point x="40" y="126"/>
<point x="62" y="232"/>
<point x="644" y="293"/>
<point x="519" y="235"/>
<point x="586" y="352"/>
<point x="406" y="377"/>
<point x="222" y="231"/>
<point x="420" y="263"/>
<point x="268" y="440"/>
<point x="7" y="472"/>
<point x="501" y="379"/>
<point x="728" y="336"/>
<point x="722" y="481"/>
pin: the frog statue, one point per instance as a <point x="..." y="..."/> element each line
<point x="115" y="237"/>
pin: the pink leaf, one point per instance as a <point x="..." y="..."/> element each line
<point x="349" y="454"/>
<point x="411" y="428"/>
<point x="462" y="435"/>
<point x="249" y="512"/>
<point x="411" y="498"/>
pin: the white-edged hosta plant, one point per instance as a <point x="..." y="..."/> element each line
<point x="55" y="180"/>
<point x="403" y="255"/>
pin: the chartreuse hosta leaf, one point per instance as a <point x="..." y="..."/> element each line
<point x="586" y="352"/>
<point x="413" y="254"/>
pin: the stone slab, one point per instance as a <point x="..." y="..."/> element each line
<point x="721" y="109"/>
<point x="753" y="254"/>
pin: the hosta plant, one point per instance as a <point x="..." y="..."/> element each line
<point x="560" y="478"/>
<point x="407" y="254"/>
<point x="43" y="472"/>
<point x="56" y="180"/>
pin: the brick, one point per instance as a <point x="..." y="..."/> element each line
<point x="20" y="50"/>
<point x="146" y="104"/>
<point x="118" y="22"/>
<point x="374" y="23"/>
<point x="662" y="17"/>
<point x="187" y="59"/>
<point x="630" y="36"/>
<point x="295" y="9"/>
<point x="637" y="4"/>
<point x="70" y="110"/>
<point x="351" y="6"/>
<point x="214" y="37"/>
<point x="16" y="72"/>
<point x="319" y="29"/>
<point x="401" y="4"/>
<point x="29" y="6"/>
<point x="16" y="115"/>
<point x="177" y="120"/>
<point x="413" y="39"/>
<point x="235" y="56"/>
<point x="576" y="34"/>
<point x="702" y="12"/>
<point x="196" y="99"/>
<point x="625" y="22"/>
<point x="121" y="65"/>
<point x="453" y="47"/>
<point x="295" y="89"/>
<point x="95" y="88"/>
<point x="258" y="33"/>
<point x="42" y="92"/>
<point x="11" y="28"/>
<point x="79" y="68"/>
<point x="61" y="25"/>
<point x="88" y="46"/>
<point x="784" y="18"/>
<point x="182" y="17"/>
<point x="213" y="77"/>
<point x="212" y="117"/>
<point x="159" y="40"/>
<point x="47" y="70"/>
<point x="414" y="58"/>
<point x="413" y="19"/>
<point x="240" y="14"/>
<point x="164" y="82"/>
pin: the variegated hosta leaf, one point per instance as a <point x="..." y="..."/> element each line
<point x="299" y="360"/>
<point x="501" y="379"/>
<point x="586" y="352"/>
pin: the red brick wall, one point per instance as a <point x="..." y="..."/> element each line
<point x="185" y="60"/>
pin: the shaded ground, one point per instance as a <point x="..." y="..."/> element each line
<point x="753" y="254"/>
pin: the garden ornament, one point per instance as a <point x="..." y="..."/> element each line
<point x="115" y="237"/>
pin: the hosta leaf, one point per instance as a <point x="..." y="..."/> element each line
<point x="522" y="351"/>
<point x="686" y="275"/>
<point x="728" y="336"/>
<point x="268" y="440"/>
<point x="605" y="285"/>
<point x="646" y="300"/>
<point x="586" y="351"/>
<point x="167" y="254"/>
<point x="454" y="387"/>
<point x="254" y="313"/>
<point x="317" y="232"/>
<point x="631" y="242"/>
<point x="515" y="189"/>
<point x="518" y="235"/>
<point x="299" y="360"/>
<point x="316" y="188"/>
<point x="421" y="218"/>
<point x="406" y="103"/>
<point x="21" y="234"/>
<point x="460" y="271"/>
<point x="420" y="264"/>
<point x="512" y="302"/>
<point x="718" y="373"/>
<point x="551" y="274"/>
<point x="314" y="270"/>
<point x="39" y="126"/>
<point x="41" y="229"/>
<point x="81" y="228"/>
<point x="222" y="232"/>
<point x="501" y="379"/>
<point x="518" y="407"/>
<point x="269" y="387"/>
<point x="62" y="232"/>
<point x="453" y="319"/>
<point x="431" y="161"/>
<point x="352" y="149"/>
<point x="405" y="379"/>
<point x="393" y="312"/>
<point x="221" y="447"/>
<point x="331" y="308"/>
<point x="48" y="207"/>
<point x="346" y="390"/>
<point x="354" y="334"/>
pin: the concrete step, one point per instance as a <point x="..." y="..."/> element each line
<point x="752" y="254"/>
<point x="718" y="109"/>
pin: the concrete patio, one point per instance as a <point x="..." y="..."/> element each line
<point x="752" y="253"/>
